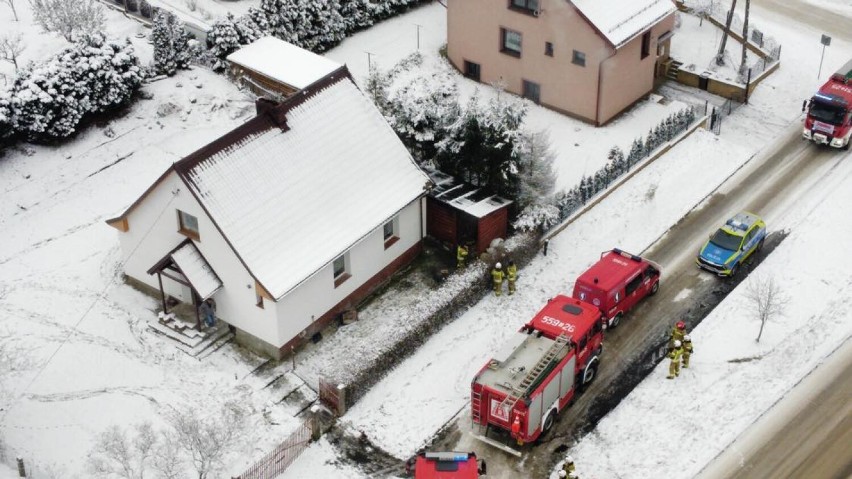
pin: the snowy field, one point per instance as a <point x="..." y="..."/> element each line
<point x="89" y="360"/>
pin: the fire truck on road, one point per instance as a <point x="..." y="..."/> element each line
<point x="522" y="389"/>
<point x="829" y="120"/>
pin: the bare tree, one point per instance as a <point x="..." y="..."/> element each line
<point x="11" y="48"/>
<point x="117" y="454"/>
<point x="768" y="300"/>
<point x="68" y="17"/>
<point x="207" y="439"/>
<point x="11" y="4"/>
<point x="720" y="57"/>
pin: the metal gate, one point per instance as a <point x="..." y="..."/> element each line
<point x="332" y="396"/>
<point x="274" y="463"/>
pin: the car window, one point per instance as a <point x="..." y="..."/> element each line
<point x="633" y="284"/>
<point x="725" y="240"/>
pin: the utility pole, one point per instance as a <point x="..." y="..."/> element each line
<point x="745" y="37"/>
<point x="369" y="62"/>
<point x="418" y="36"/>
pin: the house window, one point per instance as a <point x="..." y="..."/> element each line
<point x="341" y="269"/>
<point x="188" y="225"/>
<point x="532" y="91"/>
<point x="391" y="232"/>
<point x="258" y="300"/>
<point x="471" y="70"/>
<point x="578" y="58"/>
<point x="548" y="49"/>
<point x="646" y="44"/>
<point x="529" y="6"/>
<point x="510" y="42"/>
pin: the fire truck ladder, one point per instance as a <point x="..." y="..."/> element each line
<point x="518" y="392"/>
<point x="476" y="403"/>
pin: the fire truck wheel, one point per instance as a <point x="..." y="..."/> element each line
<point x="759" y="246"/>
<point x="590" y="372"/>
<point x="615" y="320"/>
<point x="655" y="288"/>
<point x="734" y="270"/>
<point x="548" y="422"/>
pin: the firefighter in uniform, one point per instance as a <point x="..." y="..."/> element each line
<point x="678" y="331"/>
<point x="461" y="256"/>
<point x="497" y="275"/>
<point x="511" y="276"/>
<point x="687" y="350"/>
<point x="674" y="355"/>
<point x="568" y="465"/>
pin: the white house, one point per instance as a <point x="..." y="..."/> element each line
<point x="286" y="221"/>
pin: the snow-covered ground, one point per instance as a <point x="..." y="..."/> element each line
<point x="90" y="361"/>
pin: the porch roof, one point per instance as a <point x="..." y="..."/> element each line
<point x="188" y="261"/>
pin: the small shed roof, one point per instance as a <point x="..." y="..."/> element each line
<point x="463" y="196"/>
<point x="622" y="20"/>
<point x="283" y="61"/>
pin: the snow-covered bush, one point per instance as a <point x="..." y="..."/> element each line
<point x="145" y="9"/>
<point x="174" y="46"/>
<point x="69" y="18"/>
<point x="132" y="5"/>
<point x="315" y="25"/>
<point x="47" y="101"/>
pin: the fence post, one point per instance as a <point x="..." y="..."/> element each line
<point x="341" y="399"/>
<point x="22" y="471"/>
<point x="316" y="429"/>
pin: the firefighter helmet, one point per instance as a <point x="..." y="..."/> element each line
<point x="563" y="474"/>
<point x="677" y="343"/>
<point x="569" y="459"/>
<point x="681" y="325"/>
<point x="498" y="265"/>
<point x="687" y="338"/>
<point x="572" y="475"/>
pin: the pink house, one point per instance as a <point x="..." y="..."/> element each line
<point x="590" y="59"/>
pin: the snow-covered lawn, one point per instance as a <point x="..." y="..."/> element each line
<point x="90" y="361"/>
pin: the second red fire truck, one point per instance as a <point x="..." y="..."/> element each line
<point x="829" y="112"/>
<point x="522" y="389"/>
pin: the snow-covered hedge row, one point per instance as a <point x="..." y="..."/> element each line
<point x="567" y="202"/>
<point x="315" y="25"/>
<point x="46" y="102"/>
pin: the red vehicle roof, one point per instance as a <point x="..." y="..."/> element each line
<point x="446" y="465"/>
<point x="613" y="268"/>
<point x="565" y="315"/>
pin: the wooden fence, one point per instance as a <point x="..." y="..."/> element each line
<point x="332" y="396"/>
<point x="274" y="463"/>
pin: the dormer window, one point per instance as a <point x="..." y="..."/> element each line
<point x="188" y="225"/>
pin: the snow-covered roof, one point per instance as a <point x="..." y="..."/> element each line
<point x="621" y="20"/>
<point x="292" y="199"/>
<point x="283" y="61"/>
<point x="465" y="197"/>
<point x="199" y="274"/>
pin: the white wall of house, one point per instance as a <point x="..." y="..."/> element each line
<point x="153" y="232"/>
<point x="316" y="295"/>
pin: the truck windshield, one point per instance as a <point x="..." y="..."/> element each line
<point x="725" y="240"/>
<point x="827" y="113"/>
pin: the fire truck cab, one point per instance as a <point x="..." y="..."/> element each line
<point x="617" y="282"/>
<point x="524" y="386"/>
<point x="445" y="465"/>
<point x="829" y="112"/>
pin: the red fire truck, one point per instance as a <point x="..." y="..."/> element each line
<point x="617" y="282"/>
<point x="521" y="389"/>
<point x="829" y="119"/>
<point x="445" y="465"/>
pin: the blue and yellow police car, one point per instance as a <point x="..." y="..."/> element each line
<point x="732" y="244"/>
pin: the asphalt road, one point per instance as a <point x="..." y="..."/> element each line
<point x="779" y="176"/>
<point x="807" y="434"/>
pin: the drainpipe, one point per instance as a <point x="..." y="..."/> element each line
<point x="600" y="80"/>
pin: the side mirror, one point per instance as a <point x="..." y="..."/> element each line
<point x="481" y="468"/>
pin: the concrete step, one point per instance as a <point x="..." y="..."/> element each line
<point x="192" y="341"/>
